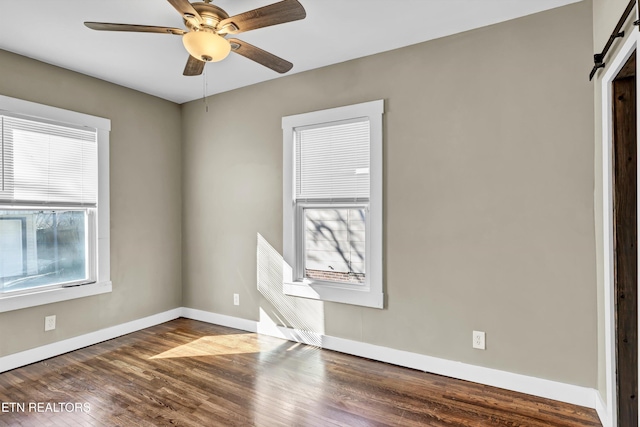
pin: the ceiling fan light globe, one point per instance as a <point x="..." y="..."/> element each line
<point x="206" y="46"/>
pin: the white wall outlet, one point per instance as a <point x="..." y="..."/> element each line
<point x="50" y="323"/>
<point x="479" y="340"/>
<point x="236" y="299"/>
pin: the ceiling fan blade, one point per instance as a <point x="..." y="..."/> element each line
<point x="186" y="10"/>
<point x="260" y="56"/>
<point x="194" y="67"/>
<point x="277" y="13"/>
<point x="106" y="26"/>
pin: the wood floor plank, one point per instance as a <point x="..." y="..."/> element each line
<point x="189" y="373"/>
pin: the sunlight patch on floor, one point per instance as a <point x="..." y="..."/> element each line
<point x="219" y="345"/>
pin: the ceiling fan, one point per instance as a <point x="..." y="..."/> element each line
<point x="208" y="26"/>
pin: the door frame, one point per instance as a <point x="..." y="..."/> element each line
<point x="616" y="64"/>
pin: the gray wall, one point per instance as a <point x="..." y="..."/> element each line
<point x="489" y="221"/>
<point x="145" y="203"/>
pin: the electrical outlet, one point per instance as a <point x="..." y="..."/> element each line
<point x="479" y="340"/>
<point x="50" y="323"/>
<point x="236" y="299"/>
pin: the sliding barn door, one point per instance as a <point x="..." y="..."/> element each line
<point x="626" y="242"/>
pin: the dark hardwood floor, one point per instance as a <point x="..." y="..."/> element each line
<point x="189" y="373"/>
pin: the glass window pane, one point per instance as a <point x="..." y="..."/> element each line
<point x="40" y="248"/>
<point x="335" y="244"/>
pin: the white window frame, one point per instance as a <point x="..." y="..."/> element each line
<point x="370" y="294"/>
<point x="98" y="236"/>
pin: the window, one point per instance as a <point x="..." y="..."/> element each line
<point x="332" y="213"/>
<point x="44" y="248"/>
<point x="54" y="207"/>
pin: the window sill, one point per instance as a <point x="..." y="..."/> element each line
<point x="362" y="297"/>
<point x="17" y="302"/>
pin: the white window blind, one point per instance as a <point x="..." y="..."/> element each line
<point x="332" y="161"/>
<point x="45" y="163"/>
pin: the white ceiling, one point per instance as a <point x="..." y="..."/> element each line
<point x="334" y="31"/>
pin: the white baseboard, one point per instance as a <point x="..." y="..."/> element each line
<point x="219" y="319"/>
<point x="606" y="417"/>
<point x="37" y="354"/>
<point x="562" y="392"/>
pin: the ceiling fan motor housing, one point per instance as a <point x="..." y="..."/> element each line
<point x="211" y="16"/>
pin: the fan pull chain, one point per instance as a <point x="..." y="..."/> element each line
<point x="205" y="86"/>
